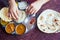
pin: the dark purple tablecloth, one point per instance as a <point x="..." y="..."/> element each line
<point x="35" y="34"/>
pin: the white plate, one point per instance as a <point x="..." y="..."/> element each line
<point x="47" y="21"/>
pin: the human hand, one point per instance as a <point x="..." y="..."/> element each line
<point x="35" y="6"/>
<point x="13" y="10"/>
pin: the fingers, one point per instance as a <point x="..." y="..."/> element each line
<point x="36" y="11"/>
<point x="15" y="15"/>
<point x="8" y="14"/>
<point x="28" y="9"/>
<point x="12" y="16"/>
<point x="17" y="11"/>
<point x="31" y="10"/>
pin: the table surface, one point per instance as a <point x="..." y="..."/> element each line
<point x="36" y="34"/>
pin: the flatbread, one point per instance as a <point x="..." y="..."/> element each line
<point x="49" y="21"/>
<point x="3" y="14"/>
<point x="22" y="16"/>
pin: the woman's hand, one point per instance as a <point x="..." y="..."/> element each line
<point x="13" y="10"/>
<point x="35" y="6"/>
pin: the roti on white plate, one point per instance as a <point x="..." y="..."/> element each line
<point x="49" y="21"/>
<point x="3" y="14"/>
